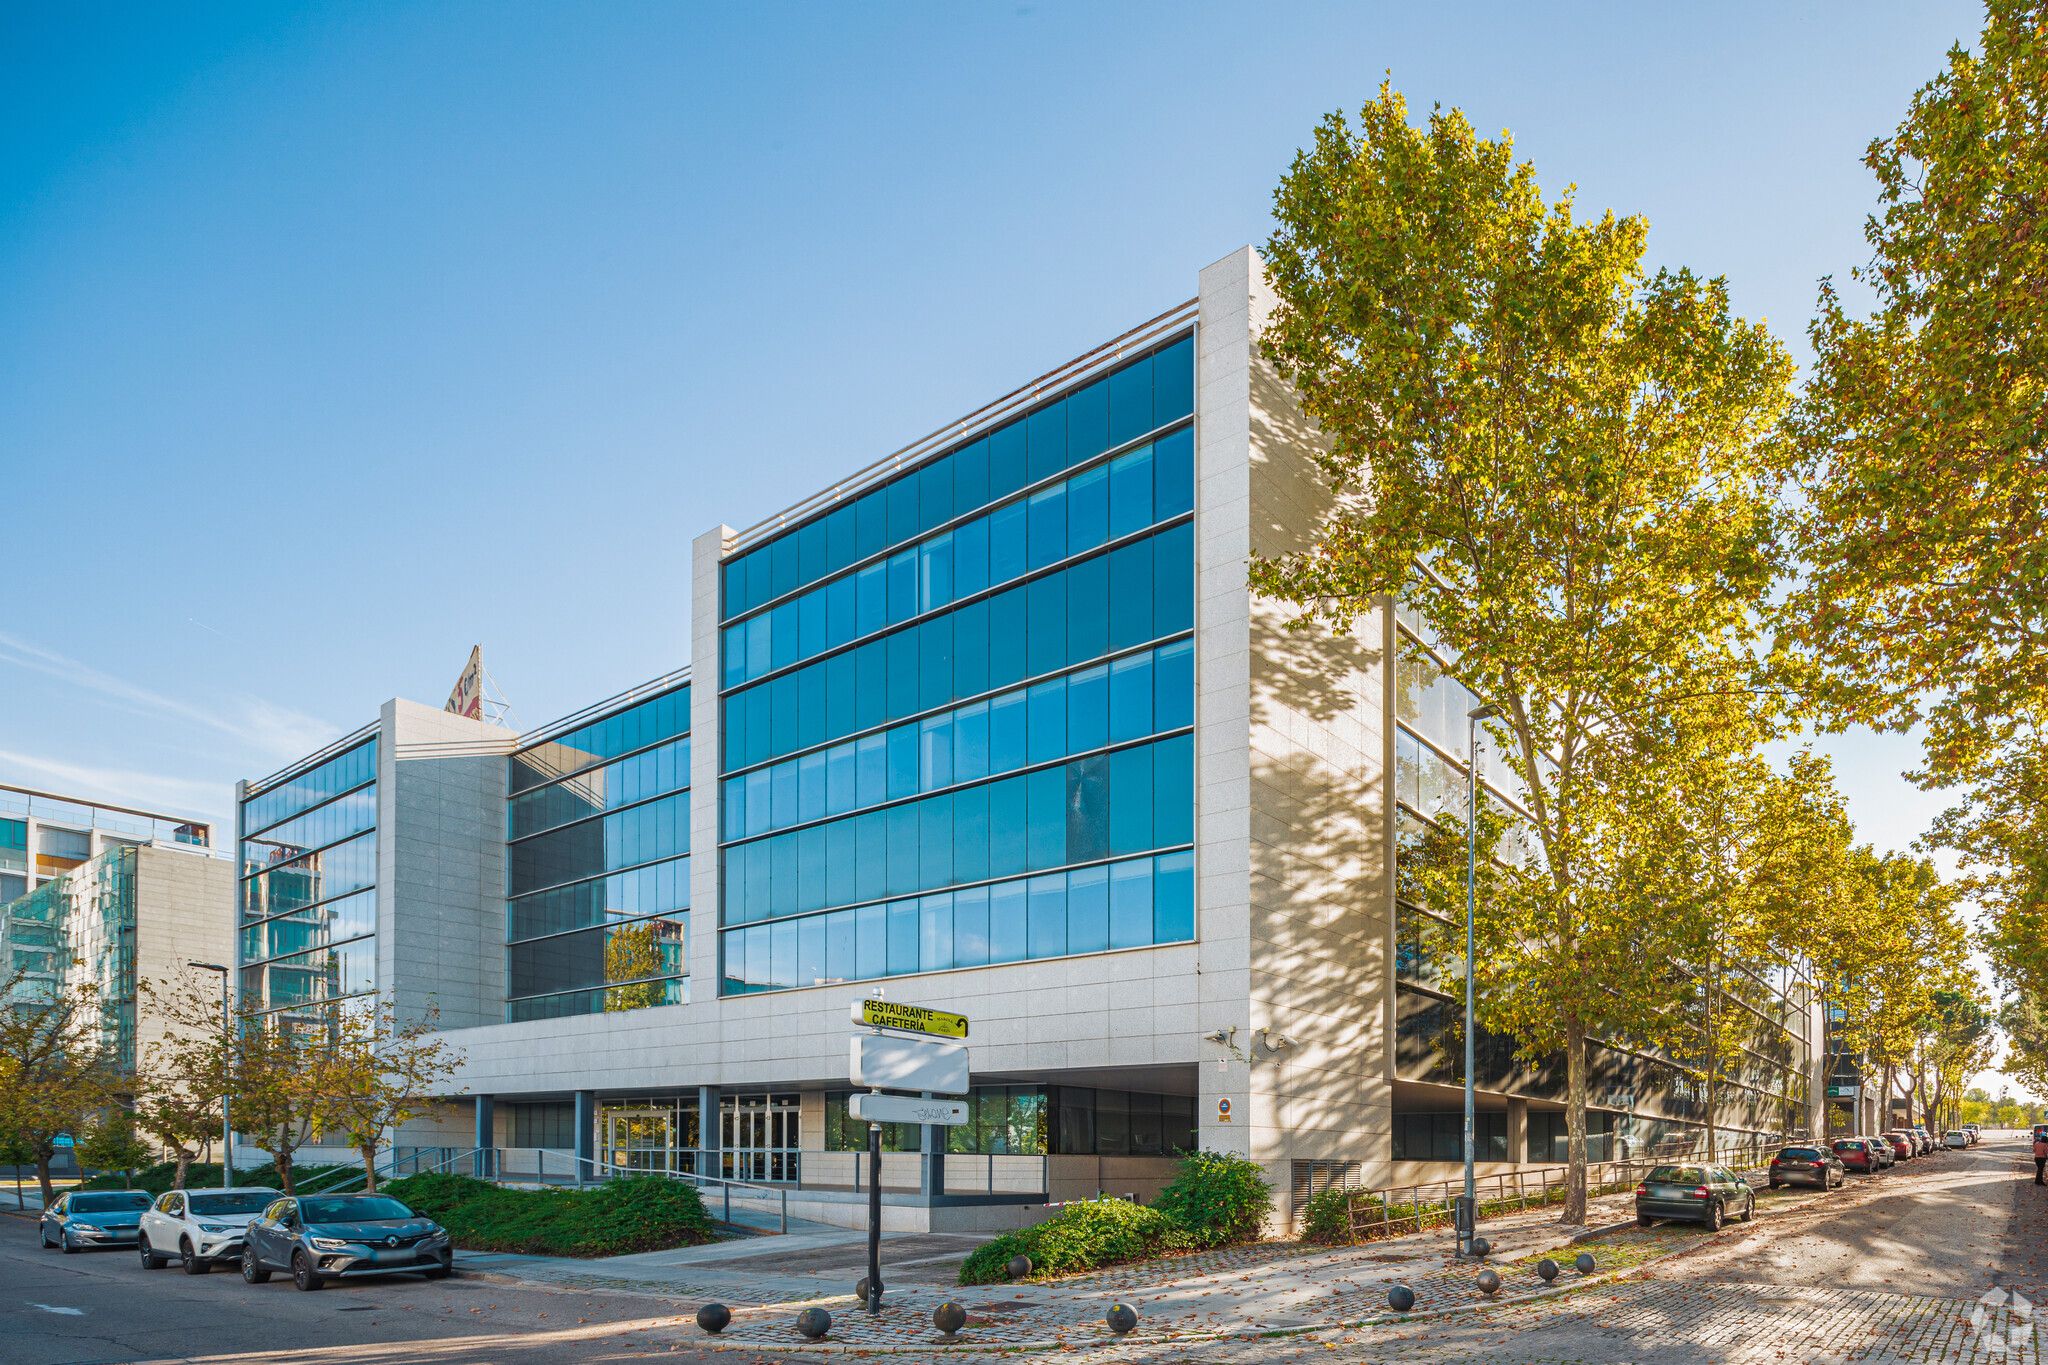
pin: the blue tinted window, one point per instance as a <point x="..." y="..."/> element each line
<point x="1058" y="522"/>
<point x="1130" y="403"/>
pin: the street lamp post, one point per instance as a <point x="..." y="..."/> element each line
<point x="227" y="1126"/>
<point x="1472" y="718"/>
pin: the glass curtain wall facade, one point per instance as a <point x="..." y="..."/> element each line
<point x="78" y="930"/>
<point x="957" y="710"/>
<point x="1651" y="1101"/>
<point x="597" y="829"/>
<point x="308" y="887"/>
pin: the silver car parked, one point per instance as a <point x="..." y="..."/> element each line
<point x="321" y="1237"/>
<point x="82" y="1219"/>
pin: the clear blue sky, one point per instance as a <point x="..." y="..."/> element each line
<point x="334" y="339"/>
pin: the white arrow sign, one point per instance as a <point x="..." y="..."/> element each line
<point x="903" y="1109"/>
<point x="889" y="1062"/>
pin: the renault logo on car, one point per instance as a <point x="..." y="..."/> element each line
<point x="391" y="1241"/>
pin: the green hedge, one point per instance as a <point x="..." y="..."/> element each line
<point x="157" y="1179"/>
<point x="639" y="1213"/>
<point x="1216" y="1199"/>
<point x="1079" y="1237"/>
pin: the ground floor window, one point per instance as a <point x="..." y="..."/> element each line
<point x="1441" y="1137"/>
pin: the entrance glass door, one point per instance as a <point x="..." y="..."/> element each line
<point x="640" y="1139"/>
<point x="760" y="1135"/>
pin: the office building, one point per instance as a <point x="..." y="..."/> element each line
<point x="120" y="896"/>
<point x="994" y="726"/>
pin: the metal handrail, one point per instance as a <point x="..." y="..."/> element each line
<point x="1601" y="1176"/>
<point x="393" y="1162"/>
<point x="726" y="1182"/>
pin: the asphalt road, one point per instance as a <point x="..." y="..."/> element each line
<point x="96" y="1308"/>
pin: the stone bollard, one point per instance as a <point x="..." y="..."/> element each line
<point x="1547" y="1268"/>
<point x="1585" y="1263"/>
<point x="1018" y="1266"/>
<point x="814" y="1322"/>
<point x="1400" y="1298"/>
<point x="1488" y="1281"/>
<point x="713" y="1317"/>
<point x="949" y="1317"/>
<point x="1122" y="1318"/>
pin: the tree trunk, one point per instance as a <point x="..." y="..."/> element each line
<point x="369" y="1151"/>
<point x="1713" y="1061"/>
<point x="1575" y="1124"/>
<point x="281" y="1158"/>
<point x="184" y="1165"/>
<point x="43" y="1176"/>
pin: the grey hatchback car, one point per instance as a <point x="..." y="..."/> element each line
<point x="1705" y="1194"/>
<point x="80" y="1219"/>
<point x="343" y="1236"/>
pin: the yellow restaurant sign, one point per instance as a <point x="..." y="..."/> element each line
<point x="912" y="1018"/>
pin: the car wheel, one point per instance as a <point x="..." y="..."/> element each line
<point x="303" y="1275"/>
<point x="1644" y="1220"/>
<point x="438" y="1272"/>
<point x="251" y="1271"/>
<point x="1715" y="1215"/>
<point x="1749" y="1210"/>
<point x="43" y="1235"/>
<point x="190" y="1260"/>
<point x="150" y="1260"/>
<point x="64" y="1240"/>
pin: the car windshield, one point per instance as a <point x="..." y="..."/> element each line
<point x="122" y="1202"/>
<point x="232" y="1201"/>
<point x="357" y="1209"/>
<point x="1847" y="1146"/>
<point x="1679" y="1175"/>
<point x="1798" y="1154"/>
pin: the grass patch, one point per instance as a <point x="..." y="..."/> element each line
<point x="638" y="1213"/>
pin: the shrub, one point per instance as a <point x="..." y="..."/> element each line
<point x="1326" y="1218"/>
<point x="1079" y="1237"/>
<point x="1218" y="1198"/>
<point x="638" y="1213"/>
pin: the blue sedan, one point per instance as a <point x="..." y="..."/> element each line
<point x="81" y="1219"/>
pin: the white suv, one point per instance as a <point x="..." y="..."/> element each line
<point x="198" y="1227"/>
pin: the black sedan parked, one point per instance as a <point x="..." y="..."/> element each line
<point x="1807" y="1166"/>
<point x="323" y="1237"/>
<point x="1704" y="1194"/>
<point x="93" y="1218"/>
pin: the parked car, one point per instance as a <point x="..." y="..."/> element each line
<point x="1955" y="1139"/>
<point x="198" y="1227"/>
<point x="1806" y="1165"/>
<point x="92" y="1218"/>
<point x="1704" y="1194"/>
<point x="323" y="1237"/>
<point x="1975" y="1136"/>
<point x="1858" y="1155"/>
<point x="1904" y="1147"/>
<point x="1887" y="1155"/>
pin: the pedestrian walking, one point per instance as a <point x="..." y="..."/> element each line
<point x="2040" y="1156"/>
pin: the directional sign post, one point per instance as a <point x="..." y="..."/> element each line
<point x="889" y="1060"/>
<point x="903" y="1109"/>
<point x="908" y="1018"/>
